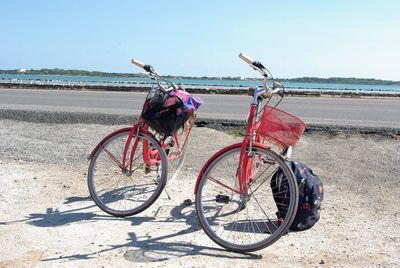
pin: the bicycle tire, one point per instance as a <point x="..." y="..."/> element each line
<point x="128" y="194"/>
<point x="225" y="216"/>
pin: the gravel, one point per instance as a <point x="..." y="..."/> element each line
<point x="49" y="220"/>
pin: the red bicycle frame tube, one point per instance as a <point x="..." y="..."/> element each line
<point x="150" y="156"/>
<point x="246" y="160"/>
<point x="245" y="168"/>
<point x="209" y="161"/>
<point x="101" y="143"/>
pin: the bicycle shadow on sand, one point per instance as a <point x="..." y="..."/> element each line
<point x="149" y="248"/>
<point x="54" y="217"/>
<point x="138" y="248"/>
<point x="154" y="249"/>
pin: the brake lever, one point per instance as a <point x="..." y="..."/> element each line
<point x="258" y="64"/>
<point x="149" y="69"/>
<point x="279" y="88"/>
<point x="281" y="93"/>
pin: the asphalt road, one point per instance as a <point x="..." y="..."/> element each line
<point x="368" y="112"/>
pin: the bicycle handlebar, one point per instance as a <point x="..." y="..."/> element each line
<point x="256" y="65"/>
<point x="246" y="59"/>
<point x="138" y="63"/>
<point x="154" y="75"/>
<point x="276" y="88"/>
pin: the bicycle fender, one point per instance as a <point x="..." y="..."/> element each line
<point x="217" y="154"/>
<point x="142" y="130"/>
<point x="204" y="168"/>
<point x="105" y="139"/>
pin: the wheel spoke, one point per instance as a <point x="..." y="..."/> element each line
<point x="264" y="179"/>
<point x="243" y="221"/>
<point x="120" y="192"/>
<point x="222" y="184"/>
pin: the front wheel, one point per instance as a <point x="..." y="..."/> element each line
<point x="244" y="222"/>
<point x="124" y="191"/>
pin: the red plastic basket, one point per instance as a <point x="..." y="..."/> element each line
<point x="280" y="127"/>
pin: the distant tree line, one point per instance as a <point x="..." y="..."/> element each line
<point x="342" y="80"/>
<point x="331" y="80"/>
<point x="57" y="71"/>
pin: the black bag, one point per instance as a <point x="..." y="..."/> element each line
<point x="164" y="113"/>
<point x="311" y="194"/>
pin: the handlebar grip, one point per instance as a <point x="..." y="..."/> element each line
<point x="245" y="58"/>
<point x="138" y="63"/>
<point x="276" y="90"/>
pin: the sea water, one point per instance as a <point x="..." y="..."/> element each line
<point x="201" y="83"/>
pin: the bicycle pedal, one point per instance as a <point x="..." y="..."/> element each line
<point x="220" y="198"/>
<point x="268" y="161"/>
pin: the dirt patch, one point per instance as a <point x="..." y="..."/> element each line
<point x="48" y="219"/>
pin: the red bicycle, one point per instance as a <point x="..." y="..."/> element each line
<point x="129" y="168"/>
<point x="234" y="197"/>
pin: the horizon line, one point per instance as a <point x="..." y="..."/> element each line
<point x="24" y="71"/>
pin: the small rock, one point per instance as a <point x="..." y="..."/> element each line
<point x="322" y="262"/>
<point x="187" y="202"/>
<point x="34" y="178"/>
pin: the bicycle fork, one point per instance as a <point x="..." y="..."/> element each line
<point x="150" y="157"/>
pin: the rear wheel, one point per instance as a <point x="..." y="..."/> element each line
<point x="244" y="222"/>
<point x="118" y="190"/>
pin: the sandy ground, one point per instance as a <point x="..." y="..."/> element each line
<point x="48" y="219"/>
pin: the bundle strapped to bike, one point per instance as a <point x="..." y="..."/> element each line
<point x="166" y="112"/>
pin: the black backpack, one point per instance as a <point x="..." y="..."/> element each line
<point x="164" y="112"/>
<point x="311" y="194"/>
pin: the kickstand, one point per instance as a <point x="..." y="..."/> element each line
<point x="165" y="189"/>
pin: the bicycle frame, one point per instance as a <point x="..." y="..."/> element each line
<point x="246" y="161"/>
<point x="150" y="157"/>
<point x="245" y="173"/>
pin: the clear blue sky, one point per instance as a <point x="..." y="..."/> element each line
<point x="293" y="38"/>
